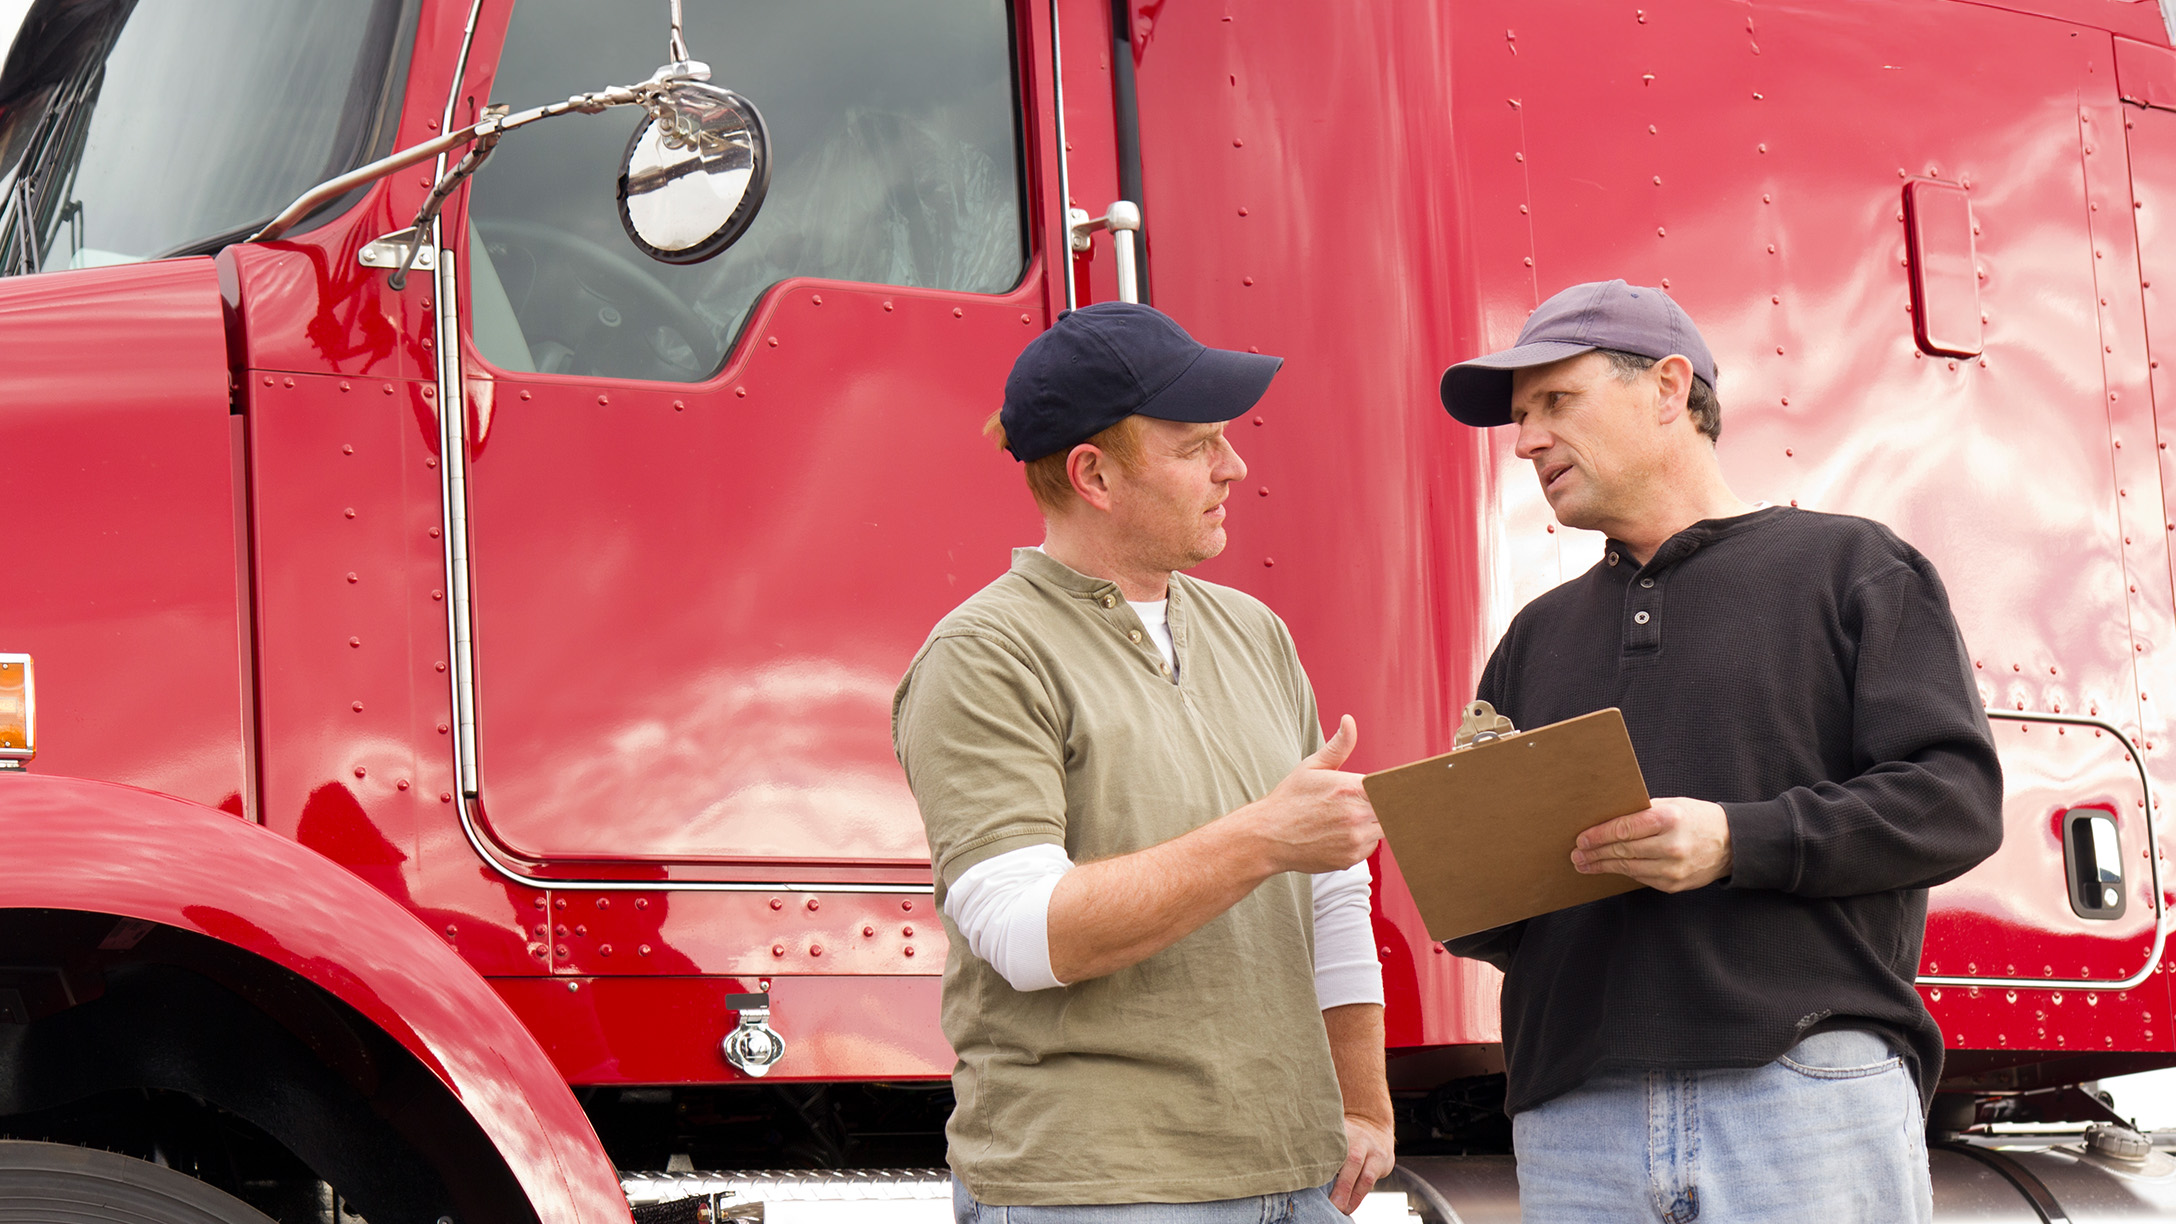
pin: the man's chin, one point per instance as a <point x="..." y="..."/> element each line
<point x="1209" y="546"/>
<point x="1571" y="512"/>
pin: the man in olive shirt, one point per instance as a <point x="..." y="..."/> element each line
<point x="1162" y="985"/>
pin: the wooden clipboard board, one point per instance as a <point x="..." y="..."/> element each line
<point x="1484" y="834"/>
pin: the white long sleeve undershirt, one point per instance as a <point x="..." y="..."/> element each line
<point x="1002" y="907"/>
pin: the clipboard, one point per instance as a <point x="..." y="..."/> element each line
<point x="1484" y="834"/>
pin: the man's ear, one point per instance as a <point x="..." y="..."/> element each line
<point x="1673" y="385"/>
<point x="1086" y="467"/>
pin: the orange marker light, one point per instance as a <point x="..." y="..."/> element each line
<point x="18" y="712"/>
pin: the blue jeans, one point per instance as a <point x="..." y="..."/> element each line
<point x="1828" y="1134"/>
<point x="1299" y="1207"/>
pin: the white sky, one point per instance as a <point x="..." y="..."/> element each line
<point x="11" y="16"/>
<point x="2148" y="1099"/>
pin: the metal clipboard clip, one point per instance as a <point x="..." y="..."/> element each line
<point x="1480" y="725"/>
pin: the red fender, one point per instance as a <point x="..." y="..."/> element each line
<point x="80" y="845"/>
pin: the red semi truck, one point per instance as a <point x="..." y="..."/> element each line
<point x="461" y="568"/>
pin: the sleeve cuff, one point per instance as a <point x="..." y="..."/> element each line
<point x="949" y="872"/>
<point x="1338" y="985"/>
<point x="1030" y="963"/>
<point x="1763" y="845"/>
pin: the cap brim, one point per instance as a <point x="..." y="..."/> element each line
<point x="1478" y="392"/>
<point x="1219" y="385"/>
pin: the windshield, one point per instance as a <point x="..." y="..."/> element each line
<point x="131" y="131"/>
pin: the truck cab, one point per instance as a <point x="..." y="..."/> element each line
<point x="432" y="588"/>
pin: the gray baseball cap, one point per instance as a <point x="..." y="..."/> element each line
<point x="1597" y="315"/>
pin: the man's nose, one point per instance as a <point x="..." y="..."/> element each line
<point x="1532" y="440"/>
<point x="1233" y="468"/>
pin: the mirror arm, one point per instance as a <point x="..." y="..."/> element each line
<point x="677" y="46"/>
<point x="492" y="126"/>
<point x="332" y="188"/>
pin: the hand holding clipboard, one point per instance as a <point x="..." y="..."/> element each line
<point x="1484" y="833"/>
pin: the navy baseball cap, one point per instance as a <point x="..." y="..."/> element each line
<point x="1597" y="315"/>
<point x="1103" y="363"/>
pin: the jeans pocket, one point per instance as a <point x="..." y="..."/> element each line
<point x="1840" y="1054"/>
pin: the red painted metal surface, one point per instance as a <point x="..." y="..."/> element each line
<point x="2146" y="74"/>
<point x="745" y="934"/>
<point x="118" y="517"/>
<point x="95" y="846"/>
<point x="836" y="1028"/>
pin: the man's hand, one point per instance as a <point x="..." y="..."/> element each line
<point x="1368" y="1148"/>
<point x="1319" y="818"/>
<point x="1371" y="1129"/>
<point x="1675" y="846"/>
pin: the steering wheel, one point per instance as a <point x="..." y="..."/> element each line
<point x="601" y="308"/>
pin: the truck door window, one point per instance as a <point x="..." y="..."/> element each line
<point x="134" y="131"/>
<point x="896" y="137"/>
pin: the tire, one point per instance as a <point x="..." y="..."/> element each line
<point x="55" y="1183"/>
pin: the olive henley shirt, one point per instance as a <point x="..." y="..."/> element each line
<point x="1041" y="712"/>
<point x="1803" y="670"/>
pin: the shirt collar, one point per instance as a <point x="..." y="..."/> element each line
<point x="1040" y="566"/>
<point x="1692" y="539"/>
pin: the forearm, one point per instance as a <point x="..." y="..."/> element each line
<point x="1356" y="1049"/>
<point x="1902" y="825"/>
<point x="1117" y="912"/>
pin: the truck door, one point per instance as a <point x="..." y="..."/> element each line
<point x="715" y="508"/>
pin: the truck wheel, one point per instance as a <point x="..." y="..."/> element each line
<point x="54" y="1183"/>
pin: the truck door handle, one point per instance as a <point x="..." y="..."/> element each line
<point x="2093" y="861"/>
<point x="1123" y="220"/>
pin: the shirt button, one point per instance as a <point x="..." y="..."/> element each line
<point x="1639" y="618"/>
<point x="1108" y="601"/>
<point x="1647" y="582"/>
<point x="1613" y="558"/>
<point x="1165" y="668"/>
<point x="1134" y="634"/>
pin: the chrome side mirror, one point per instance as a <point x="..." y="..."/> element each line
<point x="694" y="174"/>
<point x="692" y="179"/>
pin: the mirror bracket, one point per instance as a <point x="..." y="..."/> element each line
<point x="400" y="249"/>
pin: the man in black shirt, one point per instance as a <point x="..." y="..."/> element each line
<point x="1740" y="1040"/>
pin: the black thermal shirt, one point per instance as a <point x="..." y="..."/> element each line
<point x="1804" y="671"/>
